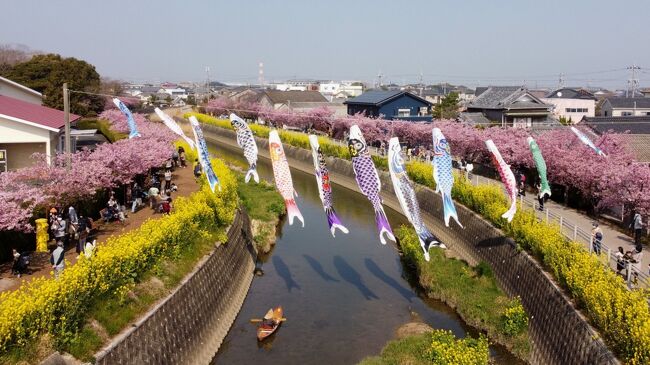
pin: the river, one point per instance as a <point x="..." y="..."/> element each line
<point x="343" y="297"/>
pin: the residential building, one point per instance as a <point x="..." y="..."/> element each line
<point x="572" y="104"/>
<point x="510" y="106"/>
<point x="20" y="92"/>
<point x="174" y="91"/>
<point x="390" y="105"/>
<point x="645" y="92"/>
<point x="337" y="90"/>
<point x="625" y="107"/>
<point x="277" y="99"/>
<point x="27" y="128"/>
<point x="634" y="131"/>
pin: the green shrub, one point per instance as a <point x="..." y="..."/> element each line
<point x="515" y="319"/>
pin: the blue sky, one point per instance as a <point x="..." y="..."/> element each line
<point x="472" y="42"/>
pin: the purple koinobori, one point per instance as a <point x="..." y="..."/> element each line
<point x="406" y="197"/>
<point x="133" y="129"/>
<point x="325" y="186"/>
<point x="368" y="180"/>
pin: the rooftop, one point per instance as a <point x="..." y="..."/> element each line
<point x="632" y="125"/>
<point x="23" y="87"/>
<point x="570" y="93"/>
<point x="629" y="103"/>
<point x="283" y="97"/>
<point x="33" y="114"/>
<point x="506" y="97"/>
<point x="379" y="97"/>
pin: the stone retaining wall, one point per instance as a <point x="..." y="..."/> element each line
<point x="190" y="324"/>
<point x="558" y="331"/>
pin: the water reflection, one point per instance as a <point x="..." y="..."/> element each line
<point x="318" y="268"/>
<point x="376" y="271"/>
<point x="349" y="274"/>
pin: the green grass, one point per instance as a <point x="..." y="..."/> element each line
<point x="102" y="126"/>
<point x="261" y="200"/>
<point x="473" y="292"/>
<point x="437" y="347"/>
<point x="115" y="313"/>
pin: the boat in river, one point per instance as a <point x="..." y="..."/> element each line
<point x="270" y="323"/>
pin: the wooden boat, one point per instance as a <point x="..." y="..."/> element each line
<point x="271" y="322"/>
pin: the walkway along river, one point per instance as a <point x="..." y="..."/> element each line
<point x="343" y="297"/>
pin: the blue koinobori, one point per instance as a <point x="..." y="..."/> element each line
<point x="204" y="156"/>
<point x="133" y="129"/>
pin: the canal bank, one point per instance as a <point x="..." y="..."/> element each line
<point x="343" y="297"/>
<point x="559" y="333"/>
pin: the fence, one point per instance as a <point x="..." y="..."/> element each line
<point x="632" y="272"/>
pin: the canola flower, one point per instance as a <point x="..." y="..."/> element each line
<point x="58" y="307"/>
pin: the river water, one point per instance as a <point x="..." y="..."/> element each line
<point x="343" y="297"/>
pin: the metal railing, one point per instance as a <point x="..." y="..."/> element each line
<point x="631" y="272"/>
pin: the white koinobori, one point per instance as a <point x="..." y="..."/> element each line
<point x="406" y="197"/>
<point x="204" y="157"/>
<point x="173" y="126"/>
<point x="246" y="142"/>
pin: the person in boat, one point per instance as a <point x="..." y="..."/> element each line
<point x="268" y="321"/>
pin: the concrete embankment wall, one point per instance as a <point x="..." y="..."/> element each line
<point x="190" y="324"/>
<point x="558" y="331"/>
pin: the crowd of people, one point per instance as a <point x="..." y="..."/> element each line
<point x="66" y="227"/>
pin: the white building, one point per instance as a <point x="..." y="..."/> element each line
<point x="625" y="107"/>
<point x="572" y="104"/>
<point x="174" y="92"/>
<point x="20" y="92"/>
<point x="27" y="128"/>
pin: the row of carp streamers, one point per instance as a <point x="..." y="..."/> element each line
<point x="199" y="141"/>
<point x="367" y="178"/>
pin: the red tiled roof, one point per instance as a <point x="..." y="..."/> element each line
<point x="32" y="113"/>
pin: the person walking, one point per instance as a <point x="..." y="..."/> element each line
<point x="168" y="180"/>
<point x="57" y="259"/>
<point x="596" y="238"/>
<point x="637" y="224"/>
<point x="72" y="215"/>
<point x="153" y="196"/>
<point x="181" y="156"/>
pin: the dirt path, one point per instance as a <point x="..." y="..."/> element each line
<point x="40" y="265"/>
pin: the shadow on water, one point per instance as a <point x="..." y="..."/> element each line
<point x="318" y="268"/>
<point x="349" y="274"/>
<point x="285" y="274"/>
<point x="376" y="271"/>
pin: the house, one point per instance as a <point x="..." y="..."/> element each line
<point x="174" y="92"/>
<point x="510" y="105"/>
<point x="476" y="119"/>
<point x="20" y="92"/>
<point x="645" y="92"/>
<point x="277" y="99"/>
<point x="572" y="104"/>
<point x="625" y="107"/>
<point x="390" y="105"/>
<point x="27" y="128"/>
<point x="634" y="131"/>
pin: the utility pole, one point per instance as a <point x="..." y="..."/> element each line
<point x="207" y="79"/>
<point x="66" y="119"/>
<point x="633" y="82"/>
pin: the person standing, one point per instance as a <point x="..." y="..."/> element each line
<point x="638" y="230"/>
<point x="181" y="156"/>
<point x="168" y="180"/>
<point x="57" y="259"/>
<point x="136" y="196"/>
<point x="60" y="230"/>
<point x="540" y="197"/>
<point x="72" y="215"/>
<point x="153" y="196"/>
<point x="197" y="168"/>
<point x="596" y="238"/>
